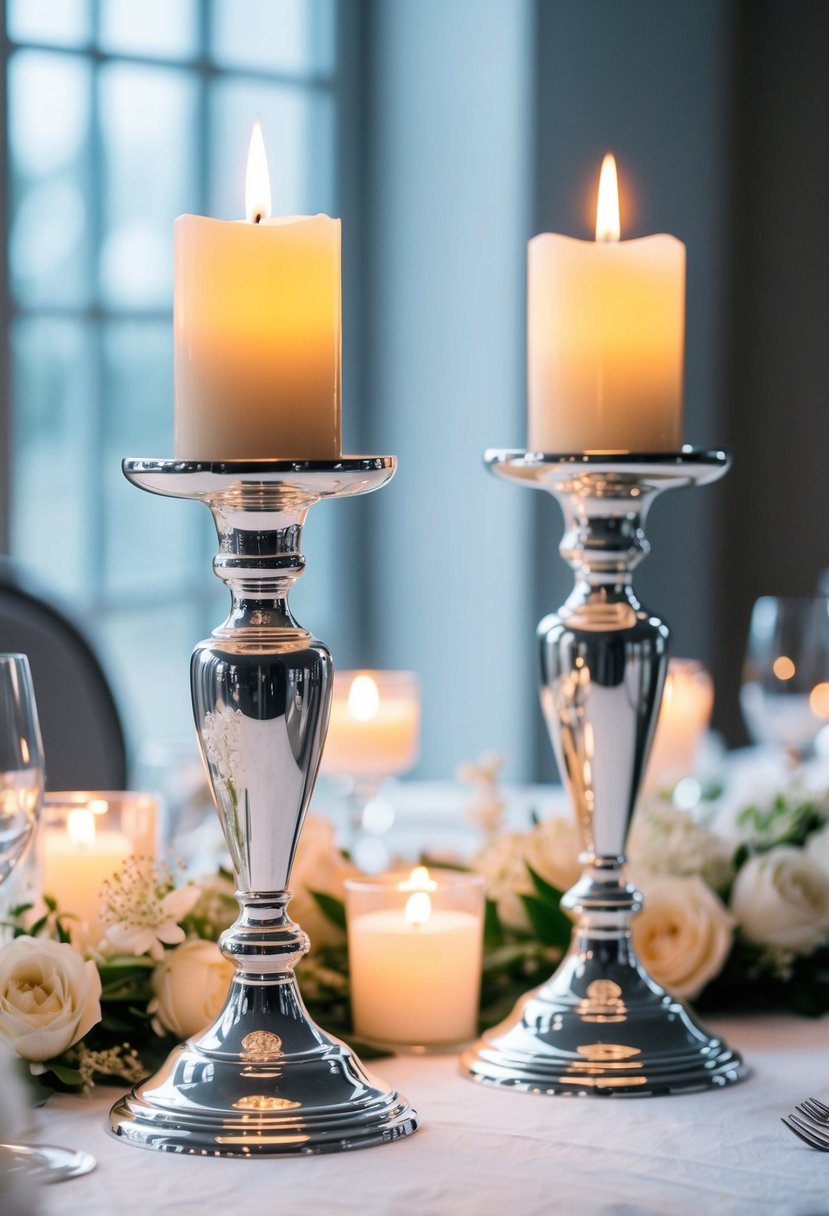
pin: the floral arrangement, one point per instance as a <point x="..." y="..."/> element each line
<point x="736" y="915"/>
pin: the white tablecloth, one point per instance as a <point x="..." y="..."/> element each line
<point x="482" y="1151"/>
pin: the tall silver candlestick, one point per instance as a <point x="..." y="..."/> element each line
<point x="601" y="1025"/>
<point x="263" y="1079"/>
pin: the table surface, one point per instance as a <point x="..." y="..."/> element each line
<point x="482" y="1151"/>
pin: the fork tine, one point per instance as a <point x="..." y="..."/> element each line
<point x="815" y="1111"/>
<point x="811" y="1135"/>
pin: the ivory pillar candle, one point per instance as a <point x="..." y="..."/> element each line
<point x="415" y="951"/>
<point x="256" y="322"/>
<point x="606" y="333"/>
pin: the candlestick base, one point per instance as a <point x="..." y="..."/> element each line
<point x="601" y="1025"/>
<point x="263" y="1080"/>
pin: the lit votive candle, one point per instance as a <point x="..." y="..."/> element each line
<point x="375" y="723"/>
<point x="86" y="837"/>
<point x="415" y="948"/>
<point x="683" y="720"/>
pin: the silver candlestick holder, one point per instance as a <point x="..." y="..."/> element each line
<point x="263" y="1080"/>
<point x="601" y="1025"/>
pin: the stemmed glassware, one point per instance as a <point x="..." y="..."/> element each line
<point x="785" y="692"/>
<point x="21" y="798"/>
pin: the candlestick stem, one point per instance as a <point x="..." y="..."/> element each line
<point x="601" y="1024"/>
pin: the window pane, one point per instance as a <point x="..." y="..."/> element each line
<point x="49" y="146"/>
<point x="154" y="27"/>
<point x="62" y="22"/>
<point x="276" y="35"/>
<point x="148" y="653"/>
<point x="148" y="541"/>
<point x="298" y="138"/>
<point x="148" y="137"/>
<point x="51" y="397"/>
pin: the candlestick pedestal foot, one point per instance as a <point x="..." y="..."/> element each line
<point x="601" y="1025"/>
<point x="263" y="1080"/>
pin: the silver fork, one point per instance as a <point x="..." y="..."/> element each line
<point x="814" y="1130"/>
<point x="815" y="1110"/>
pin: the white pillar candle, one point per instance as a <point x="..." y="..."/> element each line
<point x="374" y="725"/>
<point x="414" y="962"/>
<point x="256" y="322"/>
<point x="606" y="331"/>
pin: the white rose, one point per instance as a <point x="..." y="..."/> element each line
<point x="319" y="866"/>
<point x="553" y="852"/>
<point x="817" y="847"/>
<point x="683" y="934"/>
<point x="190" y="985"/>
<point x="49" y="997"/>
<point x="781" y="898"/>
<point x="551" y="848"/>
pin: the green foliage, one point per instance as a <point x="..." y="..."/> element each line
<point x="332" y="908"/>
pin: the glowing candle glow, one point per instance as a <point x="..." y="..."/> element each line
<point x="606" y="322"/>
<point x="257" y="331"/>
<point x="683" y="720"/>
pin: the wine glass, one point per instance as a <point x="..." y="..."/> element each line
<point x="785" y="692"/>
<point x="21" y="797"/>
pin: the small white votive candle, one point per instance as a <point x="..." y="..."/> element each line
<point x="415" y="948"/>
<point x="374" y="728"/>
<point x="86" y="837"/>
<point x="683" y="720"/>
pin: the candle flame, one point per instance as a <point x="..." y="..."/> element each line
<point x="80" y="824"/>
<point x="363" y="698"/>
<point x="257" y="178"/>
<point x="419" y="880"/>
<point x="608" y="227"/>
<point x="418" y="909"/>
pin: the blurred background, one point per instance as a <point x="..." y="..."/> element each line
<point x="445" y="133"/>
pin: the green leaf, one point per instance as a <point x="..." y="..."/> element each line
<point x="545" y="891"/>
<point x="331" y="907"/>
<point x="493" y="929"/>
<point x="66" y="1076"/>
<point x="550" y="925"/>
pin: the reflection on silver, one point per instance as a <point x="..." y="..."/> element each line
<point x="263" y="1080"/>
<point x="601" y="1025"/>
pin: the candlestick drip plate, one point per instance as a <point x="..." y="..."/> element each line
<point x="601" y="1026"/>
<point x="263" y="1079"/>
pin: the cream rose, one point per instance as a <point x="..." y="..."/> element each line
<point x="319" y="866"/>
<point x="683" y="934"/>
<point x="190" y="985"/>
<point x="817" y="847"/>
<point x="551" y="848"/>
<point x="49" y="997"/>
<point x="781" y="898"/>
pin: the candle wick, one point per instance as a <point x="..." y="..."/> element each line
<point x="257" y="218"/>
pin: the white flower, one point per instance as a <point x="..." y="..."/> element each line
<point x="49" y="997"/>
<point x="190" y="986"/>
<point x="683" y="934"/>
<point x="318" y="866"/>
<point x="817" y="847"/>
<point x="142" y="909"/>
<point x="666" y="840"/>
<point x="781" y="898"/>
<point x="221" y="734"/>
<point x="551" y="849"/>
